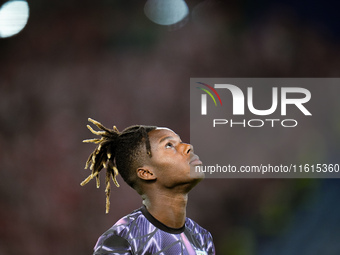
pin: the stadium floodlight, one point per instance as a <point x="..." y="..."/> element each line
<point x="166" y="12"/>
<point x="13" y="17"/>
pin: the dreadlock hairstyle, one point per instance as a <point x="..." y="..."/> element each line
<point x="117" y="152"/>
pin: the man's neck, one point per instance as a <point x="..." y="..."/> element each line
<point x="168" y="208"/>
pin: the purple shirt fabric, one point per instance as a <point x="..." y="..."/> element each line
<point x="140" y="233"/>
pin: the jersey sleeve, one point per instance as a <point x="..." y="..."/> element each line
<point x="211" y="246"/>
<point x="111" y="244"/>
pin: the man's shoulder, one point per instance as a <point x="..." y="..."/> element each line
<point x="195" y="228"/>
<point x="199" y="237"/>
<point x="117" y="237"/>
<point x="126" y="222"/>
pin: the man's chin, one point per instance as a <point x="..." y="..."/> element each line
<point x="196" y="173"/>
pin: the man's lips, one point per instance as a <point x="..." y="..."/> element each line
<point x="195" y="160"/>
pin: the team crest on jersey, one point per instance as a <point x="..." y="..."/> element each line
<point x="201" y="252"/>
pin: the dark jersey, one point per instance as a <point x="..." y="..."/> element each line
<point x="140" y="233"/>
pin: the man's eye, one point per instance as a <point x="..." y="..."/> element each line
<point x="169" y="145"/>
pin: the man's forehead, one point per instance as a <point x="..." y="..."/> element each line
<point x="162" y="132"/>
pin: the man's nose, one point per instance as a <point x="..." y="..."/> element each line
<point x="188" y="148"/>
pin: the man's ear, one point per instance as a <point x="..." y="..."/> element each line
<point x="146" y="173"/>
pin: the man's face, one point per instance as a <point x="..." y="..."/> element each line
<point x="172" y="160"/>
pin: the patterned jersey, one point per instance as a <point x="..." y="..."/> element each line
<point x="140" y="233"/>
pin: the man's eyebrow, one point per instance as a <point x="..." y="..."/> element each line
<point x="166" y="138"/>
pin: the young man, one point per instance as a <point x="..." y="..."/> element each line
<point x="160" y="167"/>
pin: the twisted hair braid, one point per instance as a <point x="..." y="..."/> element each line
<point x="117" y="152"/>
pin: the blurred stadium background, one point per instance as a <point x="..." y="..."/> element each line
<point x="107" y="60"/>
